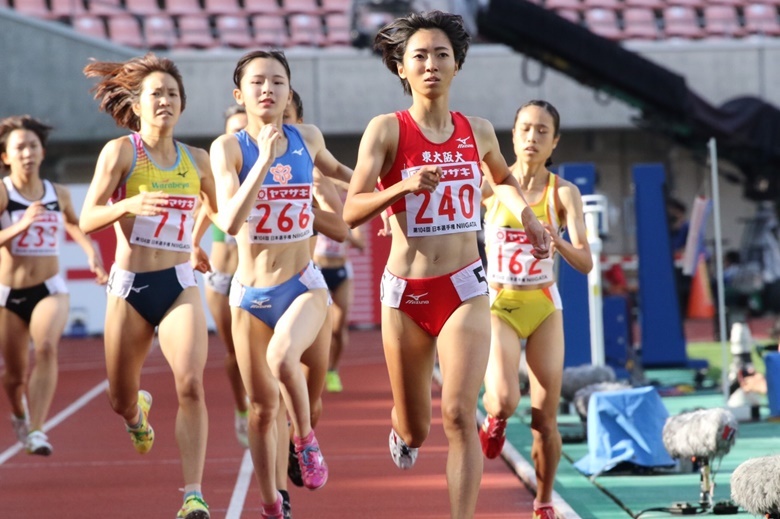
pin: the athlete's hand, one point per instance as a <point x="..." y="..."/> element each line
<point x="147" y="203"/>
<point x="96" y="267"/>
<point x="386" y="230"/>
<point x="426" y="178"/>
<point x="554" y="237"/>
<point x="536" y="233"/>
<point x="267" y="138"/>
<point x="199" y="260"/>
<point x="32" y="213"/>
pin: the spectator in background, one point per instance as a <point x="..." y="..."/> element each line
<point x="678" y="234"/>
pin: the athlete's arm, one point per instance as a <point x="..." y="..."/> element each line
<point x="327" y="214"/>
<point x="72" y="227"/>
<point x="113" y="165"/>
<point x="577" y="253"/>
<point x="356" y="238"/>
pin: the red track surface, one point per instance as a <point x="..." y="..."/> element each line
<point x="95" y="473"/>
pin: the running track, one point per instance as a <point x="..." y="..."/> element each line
<point x="95" y="473"/>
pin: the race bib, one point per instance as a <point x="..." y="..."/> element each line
<point x="41" y="238"/>
<point x="281" y="214"/>
<point x="510" y="260"/>
<point x="452" y="208"/>
<point x="170" y="230"/>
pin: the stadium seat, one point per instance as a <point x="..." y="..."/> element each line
<point x="647" y="4"/>
<point x="233" y="31"/>
<point x="270" y="30"/>
<point x="35" y="8"/>
<point x="124" y="29"/>
<point x="563" y="4"/>
<point x="262" y="7"/>
<point x="639" y="24"/>
<point x="337" y="29"/>
<point x="222" y="7"/>
<point x="722" y="20"/>
<point x="183" y="7"/>
<point x="603" y="22"/>
<point x="195" y="32"/>
<point x="66" y="8"/>
<point x="305" y="30"/>
<point x="300" y="7"/>
<point x="90" y="26"/>
<point x="694" y="4"/>
<point x="145" y="7"/>
<point x="602" y="4"/>
<point x="570" y="14"/>
<point x="159" y="32"/>
<point x="735" y="3"/>
<point x="105" y="7"/>
<point x="336" y="6"/>
<point x="681" y="22"/>
<point x="762" y="19"/>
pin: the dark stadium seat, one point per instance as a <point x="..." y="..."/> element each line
<point x="573" y="15"/>
<point x="159" y="31"/>
<point x="262" y="7"/>
<point x="722" y="20"/>
<point x="603" y="22"/>
<point x="681" y="22"/>
<point x="233" y="31"/>
<point x="145" y="7"/>
<point x="124" y="29"/>
<point x="222" y="7"/>
<point x="183" y="7"/>
<point x="90" y="26"/>
<point x="104" y="7"/>
<point x="639" y="24"/>
<point x="195" y="32"/>
<point x="270" y="30"/>
<point x="336" y="6"/>
<point x="762" y="19"/>
<point x="337" y="30"/>
<point x="65" y="8"/>
<point x="305" y="30"/>
<point x="301" y="7"/>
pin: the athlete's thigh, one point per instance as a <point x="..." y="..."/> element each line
<point x="14" y="342"/>
<point x="342" y="301"/>
<point x="301" y="322"/>
<point x="464" y="347"/>
<point x="544" y="355"/>
<point x="250" y="338"/>
<point x="220" y="311"/>
<point x="128" y="338"/>
<point x="183" y="334"/>
<point x="409" y="354"/>
<point x="501" y="377"/>
<point x="315" y="361"/>
<point x="49" y="319"/>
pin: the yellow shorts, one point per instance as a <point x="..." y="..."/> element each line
<point x="525" y="310"/>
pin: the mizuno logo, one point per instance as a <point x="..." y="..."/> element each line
<point x="414" y="299"/>
<point x="183" y="173"/>
<point x="298" y="152"/>
<point x="137" y="290"/>
<point x="17" y="300"/>
<point x="261" y="303"/>
<point x="509" y="310"/>
<point x="464" y="142"/>
<point x="52" y="206"/>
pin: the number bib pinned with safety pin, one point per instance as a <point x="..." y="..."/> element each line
<point x="41" y="238"/>
<point x="281" y="214"/>
<point x="170" y="230"/>
<point x="511" y="261"/>
<point x="452" y="208"/>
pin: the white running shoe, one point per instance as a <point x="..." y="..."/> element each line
<point x="242" y="428"/>
<point x="403" y="455"/>
<point x="37" y="443"/>
<point x="21" y="428"/>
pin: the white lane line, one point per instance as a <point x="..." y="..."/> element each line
<point x="59" y="418"/>
<point x="242" y="487"/>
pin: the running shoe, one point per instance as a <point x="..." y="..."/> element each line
<point x="314" y="470"/>
<point x="274" y="511"/>
<point x="546" y="512"/>
<point x="333" y="382"/>
<point x="293" y="467"/>
<point x="286" y="506"/>
<point x="21" y="427"/>
<point x="403" y="455"/>
<point x="242" y="428"/>
<point x="194" y="507"/>
<point x="492" y="435"/>
<point x="143" y="435"/>
<point x="37" y="443"/>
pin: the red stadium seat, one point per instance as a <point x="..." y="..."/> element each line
<point x="722" y="20"/>
<point x="639" y="24"/>
<point x="301" y="7"/>
<point x="66" y="8"/>
<point x="563" y="4"/>
<point x="195" y="32"/>
<point x="647" y="4"/>
<point x="125" y="30"/>
<point x="233" y="31"/>
<point x="270" y="30"/>
<point x="105" y="7"/>
<point x="570" y="14"/>
<point x="183" y="7"/>
<point x="687" y="3"/>
<point x="681" y="22"/>
<point x="262" y="7"/>
<point x="90" y="26"/>
<point x="222" y="7"/>
<point x="36" y="8"/>
<point x="337" y="30"/>
<point x="159" y="32"/>
<point x="735" y="3"/>
<point x="145" y="7"/>
<point x="602" y="4"/>
<point x="762" y="19"/>
<point x="336" y="6"/>
<point x="603" y="22"/>
<point x="305" y="30"/>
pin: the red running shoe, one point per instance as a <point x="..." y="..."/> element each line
<point x="492" y="435"/>
<point x="546" y="512"/>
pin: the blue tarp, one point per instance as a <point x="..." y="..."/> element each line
<point x="625" y="426"/>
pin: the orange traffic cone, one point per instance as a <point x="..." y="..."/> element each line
<point x="700" y="305"/>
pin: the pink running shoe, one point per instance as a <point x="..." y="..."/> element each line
<point x="546" y="512"/>
<point x="273" y="511"/>
<point x="314" y="470"/>
<point x="492" y="435"/>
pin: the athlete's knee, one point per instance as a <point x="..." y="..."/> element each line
<point x="263" y="414"/>
<point x="12" y="379"/>
<point x="189" y="387"/>
<point x="46" y="351"/>
<point x="282" y="363"/>
<point x="458" y="416"/>
<point x="544" y="425"/>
